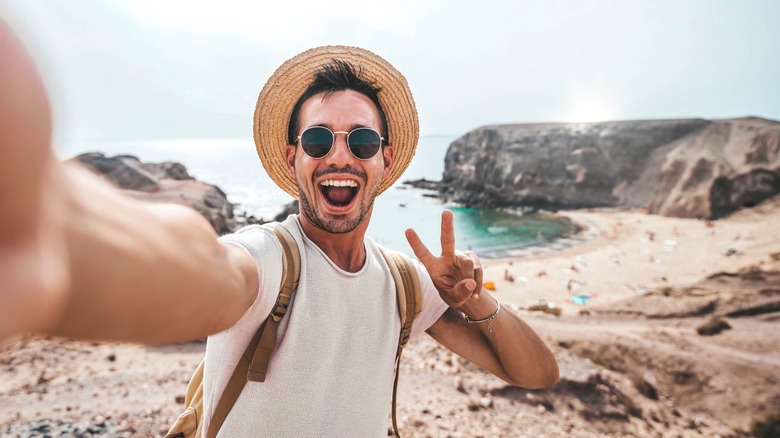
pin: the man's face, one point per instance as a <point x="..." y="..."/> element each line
<point x="337" y="191"/>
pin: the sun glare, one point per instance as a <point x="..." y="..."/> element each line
<point x="589" y="107"/>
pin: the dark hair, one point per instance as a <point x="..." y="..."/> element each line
<point x="339" y="75"/>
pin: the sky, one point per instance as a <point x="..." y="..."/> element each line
<point x="155" y="69"/>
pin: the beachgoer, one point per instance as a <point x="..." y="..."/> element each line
<point x="508" y="276"/>
<point x="334" y="127"/>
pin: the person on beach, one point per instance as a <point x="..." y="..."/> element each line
<point x="334" y="127"/>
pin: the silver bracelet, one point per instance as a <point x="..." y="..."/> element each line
<point x="489" y="319"/>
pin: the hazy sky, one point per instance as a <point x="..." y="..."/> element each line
<point x="122" y="70"/>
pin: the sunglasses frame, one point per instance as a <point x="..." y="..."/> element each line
<point x="333" y="141"/>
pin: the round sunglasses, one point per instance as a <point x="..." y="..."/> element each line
<point x="317" y="141"/>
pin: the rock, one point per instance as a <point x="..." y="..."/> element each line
<point x="758" y="294"/>
<point x="460" y="384"/>
<point x="123" y="171"/>
<point x="486" y="402"/>
<point x="168" y="170"/>
<point x="682" y="168"/>
<point x="291" y="208"/>
<point x="425" y="184"/>
<point x="546" y="307"/>
<point x="712" y="327"/>
<point x="167" y="182"/>
<point x="766" y="427"/>
<point x="57" y="428"/>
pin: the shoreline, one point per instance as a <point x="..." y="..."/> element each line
<point x="586" y="231"/>
<point x="623" y="253"/>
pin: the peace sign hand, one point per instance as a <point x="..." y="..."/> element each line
<point x="457" y="275"/>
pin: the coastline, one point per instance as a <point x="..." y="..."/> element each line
<point x="585" y="231"/>
<point x="623" y="253"/>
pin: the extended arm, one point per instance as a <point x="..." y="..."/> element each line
<point x="505" y="346"/>
<point x="146" y="272"/>
<point x="78" y="258"/>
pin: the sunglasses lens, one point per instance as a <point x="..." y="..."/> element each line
<point x="316" y="141"/>
<point x="364" y="143"/>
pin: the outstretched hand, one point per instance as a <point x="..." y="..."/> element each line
<point x="32" y="249"/>
<point x="457" y="275"/>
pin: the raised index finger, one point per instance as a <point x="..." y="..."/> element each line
<point x="447" y="234"/>
<point x="419" y="248"/>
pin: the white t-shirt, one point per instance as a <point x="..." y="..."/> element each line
<point x="331" y="373"/>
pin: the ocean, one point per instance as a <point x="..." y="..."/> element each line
<point x="233" y="165"/>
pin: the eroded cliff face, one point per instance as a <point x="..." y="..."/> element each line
<point x="685" y="167"/>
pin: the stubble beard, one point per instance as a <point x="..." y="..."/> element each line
<point x="338" y="225"/>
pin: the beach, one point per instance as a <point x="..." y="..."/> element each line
<point x="629" y="252"/>
<point x="622" y="373"/>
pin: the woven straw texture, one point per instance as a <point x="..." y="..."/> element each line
<point x="290" y="80"/>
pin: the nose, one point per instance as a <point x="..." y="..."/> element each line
<point x="340" y="154"/>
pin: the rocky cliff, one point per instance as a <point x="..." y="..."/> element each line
<point x="167" y="182"/>
<point x="684" y="168"/>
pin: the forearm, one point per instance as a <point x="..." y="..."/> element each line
<point x="142" y="272"/>
<point x="515" y="351"/>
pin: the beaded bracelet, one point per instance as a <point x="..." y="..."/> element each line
<point x="489" y="319"/>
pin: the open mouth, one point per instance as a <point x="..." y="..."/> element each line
<point x="339" y="193"/>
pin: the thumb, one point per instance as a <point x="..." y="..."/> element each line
<point x="465" y="287"/>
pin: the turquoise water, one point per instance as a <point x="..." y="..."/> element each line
<point x="233" y="166"/>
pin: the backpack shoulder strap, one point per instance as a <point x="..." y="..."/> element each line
<point x="291" y="271"/>
<point x="253" y="364"/>
<point x="409" y="291"/>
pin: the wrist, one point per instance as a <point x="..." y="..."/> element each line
<point x="488" y="318"/>
<point x="479" y="308"/>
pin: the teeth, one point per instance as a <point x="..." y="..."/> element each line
<point x="339" y="183"/>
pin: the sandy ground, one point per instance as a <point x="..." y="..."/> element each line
<point x="635" y="252"/>
<point x="630" y="366"/>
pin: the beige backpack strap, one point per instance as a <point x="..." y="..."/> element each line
<point x="234" y="386"/>
<point x="253" y="364"/>
<point x="291" y="271"/>
<point x="407" y="286"/>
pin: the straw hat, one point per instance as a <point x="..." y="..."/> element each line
<point x="287" y="84"/>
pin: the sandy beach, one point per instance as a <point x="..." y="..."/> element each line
<point x="629" y="252"/>
<point x="621" y="374"/>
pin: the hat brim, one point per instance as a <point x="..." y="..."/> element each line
<point x="287" y="84"/>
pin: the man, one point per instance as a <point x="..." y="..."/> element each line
<point x="334" y="127"/>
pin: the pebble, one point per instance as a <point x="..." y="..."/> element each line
<point x="486" y="402"/>
<point x="460" y="384"/>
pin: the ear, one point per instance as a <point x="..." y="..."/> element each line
<point x="289" y="159"/>
<point x="388" y="154"/>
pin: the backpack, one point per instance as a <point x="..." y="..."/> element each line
<point x="253" y="364"/>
